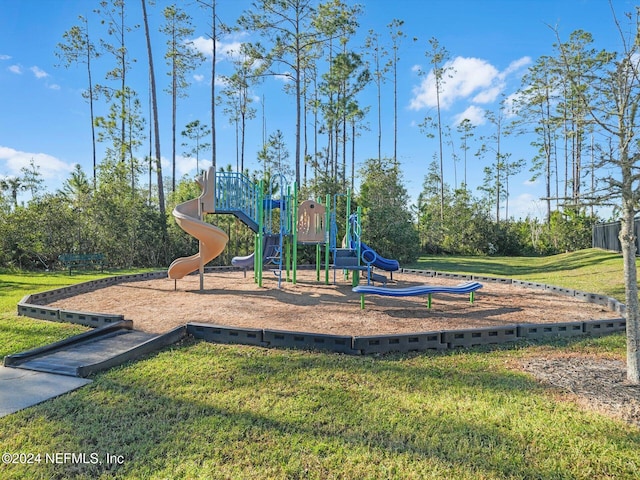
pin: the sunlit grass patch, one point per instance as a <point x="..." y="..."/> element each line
<point x="202" y="410"/>
<point x="591" y="270"/>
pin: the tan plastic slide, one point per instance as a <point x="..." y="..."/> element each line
<point x="212" y="239"/>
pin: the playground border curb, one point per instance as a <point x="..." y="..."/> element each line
<point x="35" y="306"/>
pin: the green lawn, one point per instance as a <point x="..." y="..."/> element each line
<point x="590" y="270"/>
<point x="200" y="410"/>
<point x="19" y="333"/>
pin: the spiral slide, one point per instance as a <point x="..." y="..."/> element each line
<point x="213" y="240"/>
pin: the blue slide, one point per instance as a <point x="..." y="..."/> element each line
<point x="368" y="254"/>
<point x="270" y="243"/>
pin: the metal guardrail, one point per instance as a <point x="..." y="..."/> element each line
<point x="237" y="194"/>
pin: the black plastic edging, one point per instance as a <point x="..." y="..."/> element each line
<point x="156" y="343"/>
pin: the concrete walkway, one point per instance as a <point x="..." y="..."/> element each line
<point x="20" y="388"/>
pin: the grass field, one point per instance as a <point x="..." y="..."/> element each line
<point x="588" y="270"/>
<point x="200" y="410"/>
<point x="18" y="334"/>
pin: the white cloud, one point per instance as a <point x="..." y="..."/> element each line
<point x="515" y="66"/>
<point x="198" y="78"/>
<point x="511" y="105"/>
<point x="38" y="72"/>
<point x="5" y="57"/>
<point x="202" y="45"/>
<point x="474" y="114"/>
<point x="185" y="165"/>
<point x="225" y="49"/>
<point x="465" y="78"/>
<point x="284" y="77"/>
<point x="489" y="95"/>
<point x="17" y="69"/>
<point x="229" y="50"/>
<point x="221" y="81"/>
<point x="53" y="86"/>
<point x="11" y="161"/>
<point x="526" y="205"/>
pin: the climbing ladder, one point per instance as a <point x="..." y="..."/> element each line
<point x="277" y="188"/>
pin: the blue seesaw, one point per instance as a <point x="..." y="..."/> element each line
<point x="466" y="287"/>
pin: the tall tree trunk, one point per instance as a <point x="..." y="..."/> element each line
<point x="546" y="115"/>
<point x="379" y="99"/>
<point x="353" y="154"/>
<point x="242" y="130"/>
<point x="305" y="153"/>
<point x="628" y="243"/>
<point x="344" y="150"/>
<point x="441" y="154"/>
<point x="123" y="86"/>
<point x="91" y="113"/>
<point x="174" y="108"/>
<point x="395" y="111"/>
<point x="298" y="69"/>
<point x="156" y="127"/>
<point x="214" y="35"/>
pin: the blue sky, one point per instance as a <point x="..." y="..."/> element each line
<point x="491" y="43"/>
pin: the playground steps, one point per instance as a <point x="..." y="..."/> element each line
<point x="346" y="258"/>
<point x="93" y="351"/>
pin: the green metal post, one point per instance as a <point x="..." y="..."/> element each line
<point x="327" y="240"/>
<point x="348" y="214"/>
<point x="255" y="257"/>
<point x="260" y="240"/>
<point x="287" y="257"/>
<point x="294" y="227"/>
<point x="356" y="273"/>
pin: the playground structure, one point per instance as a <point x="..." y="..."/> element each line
<point x="280" y="224"/>
<point x="277" y="236"/>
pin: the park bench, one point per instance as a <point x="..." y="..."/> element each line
<point x="81" y="260"/>
<point x="462" y="288"/>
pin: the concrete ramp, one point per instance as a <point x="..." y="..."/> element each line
<point x="93" y="351"/>
<point x="21" y="389"/>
